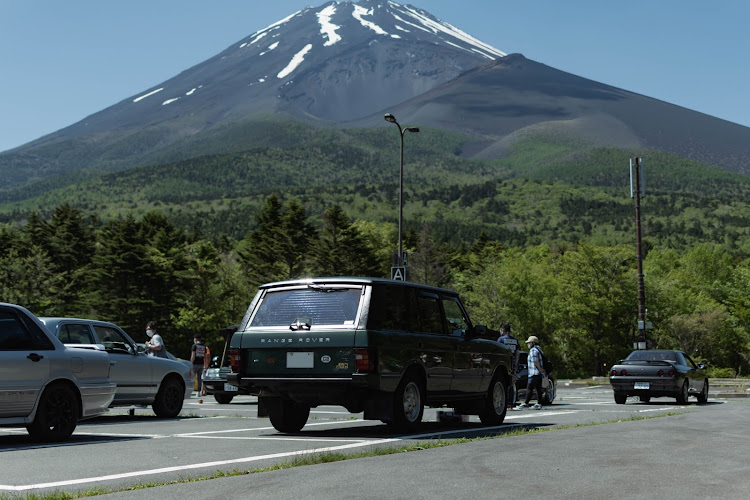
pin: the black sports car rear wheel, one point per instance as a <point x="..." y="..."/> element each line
<point x="682" y="397"/>
<point x="620" y="398"/>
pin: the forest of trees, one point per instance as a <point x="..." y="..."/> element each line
<point x="579" y="298"/>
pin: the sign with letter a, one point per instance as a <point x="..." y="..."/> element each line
<point x="398" y="273"/>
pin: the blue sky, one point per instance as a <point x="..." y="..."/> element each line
<point x="61" y="61"/>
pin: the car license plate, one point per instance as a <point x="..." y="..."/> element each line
<point x="641" y="385"/>
<point x="230" y="387"/>
<point x="300" y="360"/>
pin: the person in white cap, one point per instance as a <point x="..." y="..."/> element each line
<point x="536" y="371"/>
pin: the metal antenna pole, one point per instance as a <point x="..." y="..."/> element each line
<point x="637" y="191"/>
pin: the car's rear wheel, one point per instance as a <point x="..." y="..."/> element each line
<point x="703" y="396"/>
<point x="620" y="398"/>
<point x="168" y="402"/>
<point x="496" y="406"/>
<point x="290" y="417"/>
<point x="682" y="396"/>
<point x="223" y="399"/>
<point x="408" y="404"/>
<point x="549" y="393"/>
<point x="57" y="415"/>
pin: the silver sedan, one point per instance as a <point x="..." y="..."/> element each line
<point x="141" y="380"/>
<point x="44" y="385"/>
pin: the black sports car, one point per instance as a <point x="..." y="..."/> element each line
<point x="656" y="373"/>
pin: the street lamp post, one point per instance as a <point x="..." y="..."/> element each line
<point x="392" y="119"/>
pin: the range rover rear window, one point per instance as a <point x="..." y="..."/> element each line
<point x="303" y="308"/>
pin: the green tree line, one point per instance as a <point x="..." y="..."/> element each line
<point x="579" y="298"/>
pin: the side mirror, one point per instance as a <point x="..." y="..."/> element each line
<point x="479" y="330"/>
<point x="702" y="366"/>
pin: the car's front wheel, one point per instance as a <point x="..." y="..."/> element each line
<point x="57" y="415"/>
<point x="495" y="403"/>
<point x="703" y="396"/>
<point x="168" y="402"/>
<point x="408" y="404"/>
<point x="223" y="399"/>
<point x="620" y="398"/>
<point x="290" y="417"/>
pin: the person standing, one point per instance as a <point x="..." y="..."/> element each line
<point x="511" y="342"/>
<point x="536" y="372"/>
<point x="199" y="358"/>
<point x="155" y="346"/>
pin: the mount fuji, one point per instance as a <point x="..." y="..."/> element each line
<point x="344" y="64"/>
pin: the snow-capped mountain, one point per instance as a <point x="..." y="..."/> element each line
<point x="339" y="62"/>
<point x="344" y="64"/>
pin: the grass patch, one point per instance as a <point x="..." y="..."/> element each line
<point x="323" y="458"/>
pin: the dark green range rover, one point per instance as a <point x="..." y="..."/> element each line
<point x="388" y="348"/>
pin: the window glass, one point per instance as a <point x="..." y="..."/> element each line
<point x="315" y="305"/>
<point x="13" y="336"/>
<point x="689" y="361"/>
<point x="430" y="314"/>
<point x="393" y="308"/>
<point x="75" y="334"/>
<point x="457" y="321"/>
<point x="113" y="340"/>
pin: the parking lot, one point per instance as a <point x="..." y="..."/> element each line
<point x="119" y="450"/>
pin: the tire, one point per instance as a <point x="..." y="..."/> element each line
<point x="703" y="396"/>
<point x="682" y="396"/>
<point x="644" y="399"/>
<point x="57" y="415"/>
<point x="408" y="404"/>
<point x="550" y="393"/>
<point x="292" y="417"/>
<point x="223" y="399"/>
<point x="496" y="405"/>
<point x="168" y="402"/>
<point x="620" y="398"/>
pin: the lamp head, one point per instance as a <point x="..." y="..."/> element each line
<point x="390" y="118"/>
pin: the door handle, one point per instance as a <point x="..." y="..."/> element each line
<point x="35" y="357"/>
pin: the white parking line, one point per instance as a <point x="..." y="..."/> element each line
<point x="537" y="413"/>
<point x="218" y="463"/>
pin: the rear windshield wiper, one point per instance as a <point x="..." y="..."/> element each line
<point x="301" y="324"/>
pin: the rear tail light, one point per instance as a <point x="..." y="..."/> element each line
<point x="234" y="360"/>
<point x="365" y="360"/>
<point x="623" y="372"/>
<point x="613" y="373"/>
<point x="660" y="373"/>
<point x="671" y="373"/>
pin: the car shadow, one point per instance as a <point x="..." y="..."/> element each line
<point x="425" y="431"/>
<point x="25" y="442"/>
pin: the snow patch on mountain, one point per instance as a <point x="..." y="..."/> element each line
<point x="147" y="95"/>
<point x="327" y="28"/>
<point x="270" y="48"/>
<point x="358" y="14"/>
<point x="298" y="58"/>
<point x="435" y="27"/>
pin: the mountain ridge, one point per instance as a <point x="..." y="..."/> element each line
<point x="344" y="64"/>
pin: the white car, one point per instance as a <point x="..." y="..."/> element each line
<point x="44" y="385"/>
<point x="141" y="380"/>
